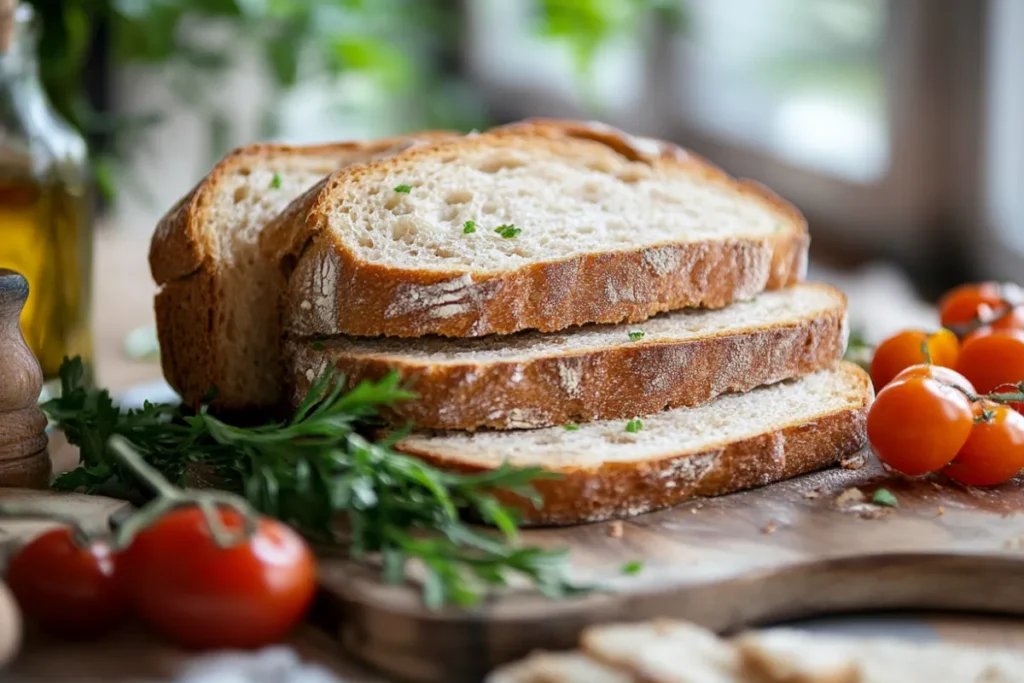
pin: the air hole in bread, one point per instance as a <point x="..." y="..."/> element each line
<point x="450" y="214"/>
<point x="501" y="163"/>
<point x="448" y="158"/>
<point x="442" y="252"/>
<point x="600" y="165"/>
<point x="490" y="208"/>
<point x="459" y="197"/>
<point x="632" y="174"/>
<point x="392" y="202"/>
<point x="405" y="230"/>
<point x="373" y="191"/>
<point x="244" y="171"/>
<point x="241" y="192"/>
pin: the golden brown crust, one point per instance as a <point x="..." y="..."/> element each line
<point x="183" y="260"/>
<point x="622" y="381"/>
<point x="616" y="489"/>
<point x="185" y="329"/>
<point x="331" y="291"/>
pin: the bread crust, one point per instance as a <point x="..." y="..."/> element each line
<point x="617" y="490"/>
<point x="331" y="291"/>
<point x="621" y="381"/>
<point x="184" y="260"/>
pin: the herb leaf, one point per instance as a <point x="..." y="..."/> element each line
<point x="633" y="567"/>
<point x="634" y="425"/>
<point x="404" y="189"/>
<point x="275" y="182"/>
<point x="636" y="335"/>
<point x="571" y="427"/>
<point x="317" y="472"/>
<point x="885" y="497"/>
<point x="508" y="231"/>
<point x="469" y="227"/>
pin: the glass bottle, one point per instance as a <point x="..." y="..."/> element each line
<point x="45" y="221"/>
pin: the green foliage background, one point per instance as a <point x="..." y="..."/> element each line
<point x="400" y="44"/>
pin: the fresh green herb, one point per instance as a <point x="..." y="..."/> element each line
<point x="571" y="427"/>
<point x="885" y="497"/>
<point x="858" y="350"/>
<point x="404" y="189"/>
<point x="317" y="345"/>
<point x="634" y="425"/>
<point x="275" y="182"/>
<point x="633" y="567"/>
<point x="317" y="472"/>
<point x="508" y="231"/>
<point x="636" y="336"/>
<point x="468" y="227"/>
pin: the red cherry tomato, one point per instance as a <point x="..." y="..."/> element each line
<point x="905" y="349"/>
<point x="960" y="306"/>
<point x="994" y="452"/>
<point x="937" y="372"/>
<point x="993" y="361"/>
<point x="204" y="596"/>
<point x="918" y="425"/>
<point x="70" y="590"/>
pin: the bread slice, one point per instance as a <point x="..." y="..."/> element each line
<point x="596" y="372"/>
<point x="217" y="311"/>
<point x="736" y="441"/>
<point x="663" y="651"/>
<point x="562" y="230"/>
<point x="790" y="656"/>
<point x="666" y="651"/>
<point x="559" y="667"/>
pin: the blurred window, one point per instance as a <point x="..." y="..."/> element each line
<point x="800" y="79"/>
<point x="1004" y="140"/>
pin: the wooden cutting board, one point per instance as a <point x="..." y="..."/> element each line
<point x="782" y="552"/>
<point x="778" y="553"/>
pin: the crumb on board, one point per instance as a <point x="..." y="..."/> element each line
<point x="1015" y="543"/>
<point x="814" y="493"/>
<point x="615" y="529"/>
<point x="769" y="528"/>
<point x="853" y="462"/>
<point x="850" y="496"/>
<point x="941" y="511"/>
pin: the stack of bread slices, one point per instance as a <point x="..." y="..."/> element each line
<point x="559" y="294"/>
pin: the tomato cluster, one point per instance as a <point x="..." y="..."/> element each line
<point x="951" y="400"/>
<point x="175" y="576"/>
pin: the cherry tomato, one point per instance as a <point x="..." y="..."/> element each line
<point x="204" y="596"/>
<point x="994" y="452"/>
<point x="904" y="349"/>
<point x="70" y="590"/>
<point x="937" y="372"/>
<point x="993" y="361"/>
<point x="918" y="425"/>
<point x="960" y="305"/>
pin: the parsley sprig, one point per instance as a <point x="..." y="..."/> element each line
<point x="319" y="472"/>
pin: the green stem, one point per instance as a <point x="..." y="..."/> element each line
<point x="128" y="456"/>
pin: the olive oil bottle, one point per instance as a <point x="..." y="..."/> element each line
<point x="45" y="221"/>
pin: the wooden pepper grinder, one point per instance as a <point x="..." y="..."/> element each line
<point x="24" y="460"/>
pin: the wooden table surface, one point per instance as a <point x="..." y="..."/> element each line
<point x="123" y="302"/>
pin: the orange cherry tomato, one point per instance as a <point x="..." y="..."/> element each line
<point x="960" y="305"/>
<point x="203" y="596"/>
<point x="994" y="452"/>
<point x="69" y="589"/>
<point x="904" y="349"/>
<point x="993" y="361"/>
<point x="918" y="425"/>
<point x="936" y="372"/>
